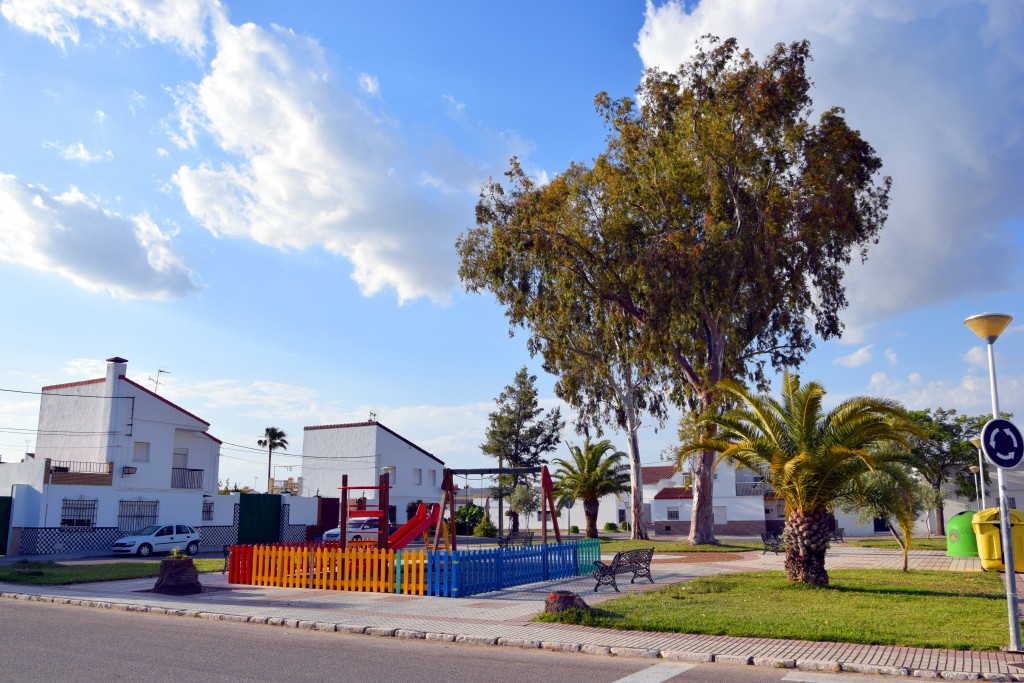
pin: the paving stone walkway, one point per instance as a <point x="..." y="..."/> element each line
<point x="502" y="618"/>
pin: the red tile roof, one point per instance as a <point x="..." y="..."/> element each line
<point x="652" y="474"/>
<point x="673" y="493"/>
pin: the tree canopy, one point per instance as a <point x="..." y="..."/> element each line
<point x="595" y="470"/>
<point x="709" y="238"/>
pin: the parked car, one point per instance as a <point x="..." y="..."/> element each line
<point x="358" y="530"/>
<point x="159" y="538"/>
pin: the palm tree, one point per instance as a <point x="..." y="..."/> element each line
<point x="814" y="460"/>
<point x="596" y="470"/>
<point x="273" y="439"/>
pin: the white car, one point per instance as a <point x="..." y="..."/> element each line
<point x="358" y="530"/>
<point x="159" y="538"/>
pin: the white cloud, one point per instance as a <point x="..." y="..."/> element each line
<point x="369" y="84"/>
<point x="976" y="356"/>
<point x="162" y="153"/>
<point x="311" y="166"/>
<point x="855" y="359"/>
<point x="969" y="395"/>
<point x="78" y="152"/>
<point x="890" y="356"/>
<point x="178" y="22"/>
<point x="100" y="117"/>
<point x="937" y="88"/>
<point x="98" y="250"/>
<point x="456" y="109"/>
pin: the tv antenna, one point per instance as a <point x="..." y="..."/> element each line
<point x="156" y="382"/>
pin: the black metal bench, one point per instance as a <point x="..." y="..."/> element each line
<point x="227" y="558"/>
<point x="837" y="536"/>
<point x="772" y="541"/>
<point x="636" y="562"/>
<point x="515" y="538"/>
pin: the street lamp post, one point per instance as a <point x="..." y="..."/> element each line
<point x="981" y="471"/>
<point x="988" y="326"/>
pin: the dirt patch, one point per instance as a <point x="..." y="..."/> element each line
<point x="699" y="558"/>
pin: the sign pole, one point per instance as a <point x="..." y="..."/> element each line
<point x="1005" y="522"/>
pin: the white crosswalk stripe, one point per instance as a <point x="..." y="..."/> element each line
<point x="656" y="673"/>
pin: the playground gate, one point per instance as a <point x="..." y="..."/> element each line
<point x="462" y="573"/>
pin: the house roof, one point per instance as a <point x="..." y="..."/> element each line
<point x="652" y="474"/>
<point x="674" y="493"/>
<point x="69" y="385"/>
<point x="372" y="423"/>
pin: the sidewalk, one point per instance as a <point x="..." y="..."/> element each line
<point x="503" y="618"/>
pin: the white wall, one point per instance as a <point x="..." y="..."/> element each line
<point x="363" y="451"/>
<point x="185" y="507"/>
<point x="302" y="510"/>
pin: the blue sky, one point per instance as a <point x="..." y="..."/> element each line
<point x="263" y="198"/>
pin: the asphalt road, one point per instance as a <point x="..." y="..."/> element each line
<point x="45" y="642"/>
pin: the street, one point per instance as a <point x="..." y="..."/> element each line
<point x="45" y="642"/>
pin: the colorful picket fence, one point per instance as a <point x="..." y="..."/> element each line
<point x="461" y="573"/>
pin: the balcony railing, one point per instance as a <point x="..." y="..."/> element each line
<point x="182" y="478"/>
<point x="77" y="473"/>
<point x="753" y="488"/>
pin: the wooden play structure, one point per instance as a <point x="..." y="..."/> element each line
<point x="425" y="517"/>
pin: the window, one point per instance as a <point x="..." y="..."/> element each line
<point x="207" y="510"/>
<point x="622" y="515"/>
<point x="1011" y="502"/>
<point x="180" y="458"/>
<point x="417" y="476"/>
<point x="673" y="514"/>
<point x="432" y="477"/>
<point x="140" y="451"/>
<point x="78" y="513"/>
<point x="133" y="515"/>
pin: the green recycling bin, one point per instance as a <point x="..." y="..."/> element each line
<point x="990" y="549"/>
<point x="960" y="539"/>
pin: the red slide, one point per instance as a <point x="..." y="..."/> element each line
<point x="419" y="523"/>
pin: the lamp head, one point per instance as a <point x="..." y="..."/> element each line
<point x="974" y="468"/>
<point x="976" y="441"/>
<point x="988" y="326"/>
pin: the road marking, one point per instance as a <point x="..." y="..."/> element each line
<point x="810" y="677"/>
<point x="656" y="673"/>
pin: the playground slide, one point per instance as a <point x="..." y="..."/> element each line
<point x="419" y="523"/>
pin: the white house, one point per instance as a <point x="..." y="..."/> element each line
<point x="112" y="457"/>
<point x="363" y="451"/>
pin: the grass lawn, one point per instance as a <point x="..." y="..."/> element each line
<point x="49" y="573"/>
<point x="890" y="543"/>
<point x="614" y="545"/>
<point x="880" y="607"/>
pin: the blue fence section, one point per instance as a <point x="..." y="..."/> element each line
<point x="471" y="572"/>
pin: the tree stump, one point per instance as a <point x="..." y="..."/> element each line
<point x="559" y="601"/>
<point x="178" y="577"/>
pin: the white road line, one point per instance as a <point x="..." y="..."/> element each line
<point x="656" y="673"/>
<point x="811" y="677"/>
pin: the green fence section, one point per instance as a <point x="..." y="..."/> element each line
<point x="259" y="518"/>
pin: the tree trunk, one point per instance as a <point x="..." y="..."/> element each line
<point x="590" y="513"/>
<point x="638" y="527"/>
<point x="901" y="543"/>
<point x="702" y="526"/>
<point x="513" y="520"/>
<point x="806" y="542"/>
<point x="940" y="514"/>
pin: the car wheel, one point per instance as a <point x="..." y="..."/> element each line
<point x="192" y="548"/>
<point x="144" y="550"/>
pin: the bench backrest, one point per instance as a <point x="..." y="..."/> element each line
<point x="631" y="557"/>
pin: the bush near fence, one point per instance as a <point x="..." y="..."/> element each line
<point x="462" y="573"/>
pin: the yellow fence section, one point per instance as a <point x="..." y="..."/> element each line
<point x="355" y="569"/>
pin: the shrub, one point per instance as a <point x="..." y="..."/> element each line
<point x="485" y="529"/>
<point x="611" y="526"/>
<point x="624" y="526"/>
<point x="574" y="529"/>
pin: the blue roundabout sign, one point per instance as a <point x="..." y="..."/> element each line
<point x="1002" y="443"/>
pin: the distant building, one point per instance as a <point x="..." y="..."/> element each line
<point x="363" y="451"/>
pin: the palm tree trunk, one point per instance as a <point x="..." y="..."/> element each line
<point x="590" y="513"/>
<point x="806" y="542"/>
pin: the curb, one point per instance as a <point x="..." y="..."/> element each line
<point x="731" y="659"/>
